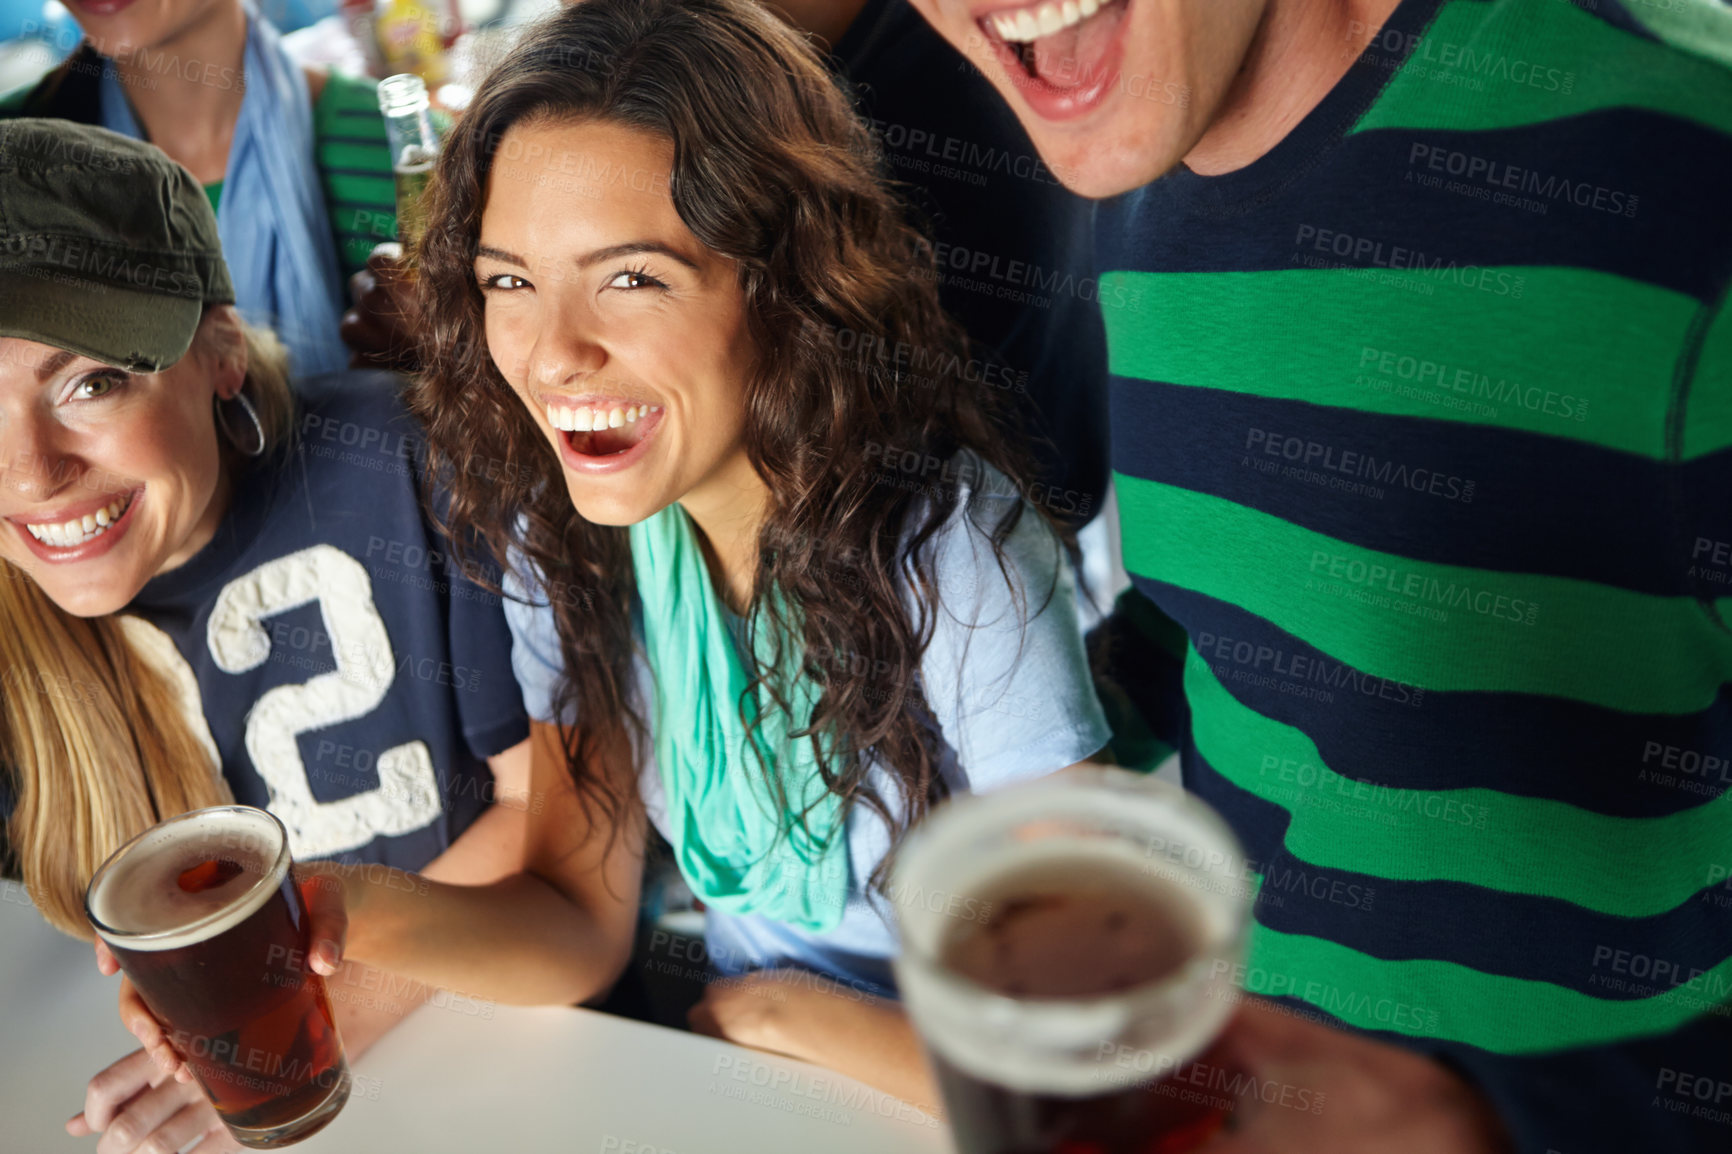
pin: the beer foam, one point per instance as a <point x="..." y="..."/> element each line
<point x="1185" y="863"/>
<point x="1056" y="1040"/>
<point x="137" y="901"/>
<point x="1072" y="928"/>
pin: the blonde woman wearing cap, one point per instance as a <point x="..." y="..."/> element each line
<point x="217" y="586"/>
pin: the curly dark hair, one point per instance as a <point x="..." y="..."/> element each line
<point x="771" y="169"/>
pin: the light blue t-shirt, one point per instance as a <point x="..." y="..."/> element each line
<point x="1010" y="692"/>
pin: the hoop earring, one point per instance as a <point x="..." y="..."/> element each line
<point x="256" y="447"/>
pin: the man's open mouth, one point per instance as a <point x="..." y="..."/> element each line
<point x="1061" y="43"/>
<point x="603" y="430"/>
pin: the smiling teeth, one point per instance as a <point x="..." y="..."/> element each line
<point x="1029" y="24"/>
<point x="70" y="534"/>
<point x="583" y="420"/>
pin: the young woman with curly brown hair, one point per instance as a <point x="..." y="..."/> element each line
<point x="779" y="592"/>
<point x="771" y="542"/>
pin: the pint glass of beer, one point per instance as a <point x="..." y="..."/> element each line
<point x="203" y="915"/>
<point x="1067" y="955"/>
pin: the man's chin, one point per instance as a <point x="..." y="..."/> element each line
<point x="1107" y="161"/>
<point x="1119" y="146"/>
<point x="1101" y="181"/>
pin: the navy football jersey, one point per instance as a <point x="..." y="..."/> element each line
<point x="353" y="683"/>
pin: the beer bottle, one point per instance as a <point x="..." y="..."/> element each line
<point x="414" y="147"/>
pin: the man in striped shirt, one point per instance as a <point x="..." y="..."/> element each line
<point x="1422" y="433"/>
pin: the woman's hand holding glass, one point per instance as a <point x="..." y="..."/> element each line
<point x="150" y="1094"/>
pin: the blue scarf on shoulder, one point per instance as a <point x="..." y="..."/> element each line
<point x="275" y="231"/>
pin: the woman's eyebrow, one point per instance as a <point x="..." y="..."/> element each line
<point x="53" y="363"/>
<point x="499" y="254"/>
<point x="630" y="248"/>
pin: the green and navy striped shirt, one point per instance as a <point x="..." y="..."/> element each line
<point x="354" y="164"/>
<point x="1423" y="437"/>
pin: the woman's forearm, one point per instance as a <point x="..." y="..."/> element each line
<point x="369" y="1001"/>
<point x="496" y="844"/>
<point x="558" y="932"/>
<point x="871" y="1041"/>
<point x="806" y="1016"/>
<point x="518" y="940"/>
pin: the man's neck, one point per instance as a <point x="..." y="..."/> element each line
<point x="187" y="91"/>
<point x="1302" y="50"/>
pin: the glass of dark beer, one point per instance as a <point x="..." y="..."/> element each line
<point x="1067" y="956"/>
<point x="203" y="915"/>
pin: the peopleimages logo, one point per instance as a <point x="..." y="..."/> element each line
<point x="1422" y="588"/>
<point x="1471" y="383"/>
<point x="1662" y="973"/>
<point x="1370" y="252"/>
<point x="1315" y="782"/>
<point x="936" y="147"/>
<point x="1517" y="179"/>
<point x="1013" y="274"/>
<point x="1680" y="762"/>
<point x="1253" y="661"/>
<point x="1706" y="1096"/>
<point x="1331" y="999"/>
<point x="1464" y="65"/>
<point x="927" y="367"/>
<point x="100" y="262"/>
<point x="54" y="150"/>
<point x="1360" y="465"/>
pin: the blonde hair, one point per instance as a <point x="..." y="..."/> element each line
<point x="96" y="734"/>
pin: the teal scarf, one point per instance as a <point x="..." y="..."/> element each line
<point x="738" y="850"/>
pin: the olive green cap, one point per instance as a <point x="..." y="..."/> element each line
<point x="108" y="248"/>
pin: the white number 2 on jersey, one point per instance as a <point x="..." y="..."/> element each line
<point x="407" y="797"/>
